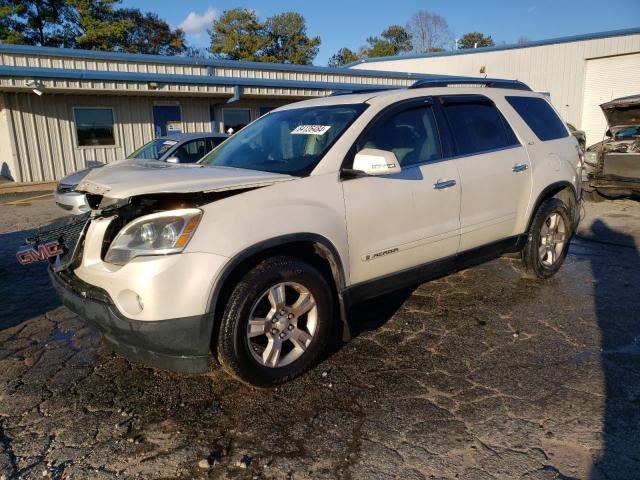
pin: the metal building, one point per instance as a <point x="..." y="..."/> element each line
<point x="579" y="73"/>
<point x="64" y="109"/>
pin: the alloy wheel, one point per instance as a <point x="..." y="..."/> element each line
<point x="282" y="324"/>
<point x="552" y="239"/>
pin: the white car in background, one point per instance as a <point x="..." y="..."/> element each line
<point x="175" y="148"/>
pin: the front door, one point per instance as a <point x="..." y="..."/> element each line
<point x="166" y="119"/>
<point x="400" y="221"/>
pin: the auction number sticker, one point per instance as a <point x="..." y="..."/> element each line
<point x="310" y="129"/>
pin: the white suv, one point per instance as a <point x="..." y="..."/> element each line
<point x="257" y="251"/>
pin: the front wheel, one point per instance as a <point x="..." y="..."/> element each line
<point x="548" y="240"/>
<point x="277" y="322"/>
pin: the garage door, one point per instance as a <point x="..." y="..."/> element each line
<point x="606" y="79"/>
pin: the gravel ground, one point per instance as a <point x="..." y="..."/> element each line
<point x="479" y="375"/>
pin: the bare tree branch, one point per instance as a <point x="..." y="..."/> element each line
<point x="429" y="31"/>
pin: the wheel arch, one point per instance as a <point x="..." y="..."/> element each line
<point x="563" y="190"/>
<point x="316" y="249"/>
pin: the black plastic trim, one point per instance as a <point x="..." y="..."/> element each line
<point x="546" y="193"/>
<point x="432" y="270"/>
<point x="178" y="344"/>
<point x="335" y="261"/>
<point x="485" y="82"/>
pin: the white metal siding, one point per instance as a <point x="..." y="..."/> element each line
<point x="558" y="69"/>
<point x="45" y="138"/>
<point x="606" y="79"/>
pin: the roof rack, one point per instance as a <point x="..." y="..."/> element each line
<point x="363" y="90"/>
<point x="464" y="81"/>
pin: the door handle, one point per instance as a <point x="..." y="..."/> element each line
<point x="520" y="167"/>
<point x="440" y="185"/>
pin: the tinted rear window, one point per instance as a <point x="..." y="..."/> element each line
<point x="540" y="117"/>
<point x="478" y="127"/>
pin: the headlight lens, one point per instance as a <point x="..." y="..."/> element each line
<point x="591" y="158"/>
<point x="156" y="234"/>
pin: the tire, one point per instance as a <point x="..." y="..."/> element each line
<point x="543" y="255"/>
<point x="249" y="352"/>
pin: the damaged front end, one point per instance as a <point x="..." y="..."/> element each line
<point x="614" y="163"/>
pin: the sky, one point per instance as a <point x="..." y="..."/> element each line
<point x="348" y="23"/>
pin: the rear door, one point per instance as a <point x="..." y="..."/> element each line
<point x="494" y="169"/>
<point x="400" y="221"/>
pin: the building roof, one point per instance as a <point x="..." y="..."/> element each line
<point x="65" y="70"/>
<point x="180" y="60"/>
<point x="514" y="46"/>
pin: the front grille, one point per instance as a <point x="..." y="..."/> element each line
<point x="68" y="232"/>
<point x="82" y="288"/>
<point x="65" y="188"/>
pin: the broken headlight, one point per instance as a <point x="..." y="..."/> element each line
<point x="155" y="234"/>
<point x="591" y="158"/>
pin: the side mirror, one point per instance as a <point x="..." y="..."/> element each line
<point x="608" y="133"/>
<point x="376" y="162"/>
<point x="173" y="160"/>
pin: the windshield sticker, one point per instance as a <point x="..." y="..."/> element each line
<point x="310" y="129"/>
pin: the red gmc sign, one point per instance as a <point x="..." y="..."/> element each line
<point x="40" y="252"/>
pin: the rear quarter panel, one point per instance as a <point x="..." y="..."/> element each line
<point x="552" y="162"/>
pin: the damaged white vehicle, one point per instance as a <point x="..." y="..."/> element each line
<point x="256" y="252"/>
<point x="613" y="165"/>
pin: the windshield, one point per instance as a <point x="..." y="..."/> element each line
<point x="153" y="150"/>
<point x="627" y="132"/>
<point x="289" y="141"/>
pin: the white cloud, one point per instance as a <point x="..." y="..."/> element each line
<point x="196" y="23"/>
<point x="532" y="8"/>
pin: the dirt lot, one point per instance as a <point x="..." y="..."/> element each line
<point x="479" y="375"/>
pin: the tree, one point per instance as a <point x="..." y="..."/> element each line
<point x="98" y="26"/>
<point x="287" y="40"/>
<point x="343" y="57"/>
<point x="429" y="32"/>
<point x="238" y="35"/>
<point x="35" y="22"/>
<point x="395" y="39"/>
<point x="90" y="24"/>
<point x="473" y="39"/>
<point x="150" y="34"/>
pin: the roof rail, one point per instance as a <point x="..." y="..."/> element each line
<point x="463" y="81"/>
<point x="363" y="90"/>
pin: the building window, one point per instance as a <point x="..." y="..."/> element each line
<point x="265" y="110"/>
<point x="94" y="126"/>
<point x="235" y="119"/>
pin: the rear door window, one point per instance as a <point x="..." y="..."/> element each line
<point x="540" y="117"/>
<point x="476" y="125"/>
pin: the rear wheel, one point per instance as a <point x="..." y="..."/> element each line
<point x="276" y="323"/>
<point x="548" y="240"/>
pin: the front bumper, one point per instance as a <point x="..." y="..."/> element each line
<point x="178" y="344"/>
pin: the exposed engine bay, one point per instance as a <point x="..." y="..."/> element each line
<point x="614" y="164"/>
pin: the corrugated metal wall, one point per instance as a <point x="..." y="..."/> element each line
<point x="606" y="79"/>
<point x="44" y="135"/>
<point x="246" y="71"/>
<point x="558" y="69"/>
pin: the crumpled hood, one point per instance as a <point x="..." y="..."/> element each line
<point x="128" y="178"/>
<point x="622" y="111"/>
